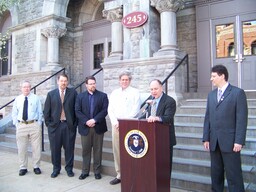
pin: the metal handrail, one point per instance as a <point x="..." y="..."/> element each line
<point x="165" y="81"/>
<point x="80" y="85"/>
<point x="34" y="88"/>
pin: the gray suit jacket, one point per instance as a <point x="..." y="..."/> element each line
<point x="226" y="121"/>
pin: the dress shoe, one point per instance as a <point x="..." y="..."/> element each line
<point x="37" y="171"/>
<point x="54" y="174"/>
<point x="70" y="173"/>
<point x="97" y="176"/>
<point x="83" y="176"/>
<point x="22" y="172"/>
<point x="115" y="181"/>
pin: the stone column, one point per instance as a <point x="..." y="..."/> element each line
<point x="167" y="10"/>
<point x="115" y="16"/>
<point x="53" y="34"/>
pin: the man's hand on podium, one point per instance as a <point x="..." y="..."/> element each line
<point x="153" y="119"/>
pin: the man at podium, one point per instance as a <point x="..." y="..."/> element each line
<point x="162" y="108"/>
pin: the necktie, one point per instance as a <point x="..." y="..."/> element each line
<point x="62" y="115"/>
<point x="219" y="94"/>
<point x="153" y="109"/>
<point x="91" y="104"/>
<point x="25" y="109"/>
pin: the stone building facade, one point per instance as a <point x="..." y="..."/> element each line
<point x="50" y="35"/>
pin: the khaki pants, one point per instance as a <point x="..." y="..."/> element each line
<point x="26" y="133"/>
<point x="116" y="151"/>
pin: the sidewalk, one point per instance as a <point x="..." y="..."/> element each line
<point x="10" y="181"/>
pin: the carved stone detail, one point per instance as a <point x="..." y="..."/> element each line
<point x="54" y="32"/>
<point x="136" y="36"/>
<point x="114" y="15"/>
<point x="168" y="5"/>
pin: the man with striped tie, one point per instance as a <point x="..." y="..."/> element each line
<point x="162" y="109"/>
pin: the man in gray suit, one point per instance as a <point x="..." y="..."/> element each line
<point x="224" y="133"/>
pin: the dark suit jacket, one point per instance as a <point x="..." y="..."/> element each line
<point x="52" y="109"/>
<point x="166" y="110"/>
<point x="99" y="113"/>
<point x="226" y="121"/>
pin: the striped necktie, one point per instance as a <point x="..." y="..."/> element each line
<point x="153" y="108"/>
<point x="62" y="115"/>
<point x="219" y="95"/>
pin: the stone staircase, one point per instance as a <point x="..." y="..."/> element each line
<point x="191" y="165"/>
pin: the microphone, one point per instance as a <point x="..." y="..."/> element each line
<point x="144" y="109"/>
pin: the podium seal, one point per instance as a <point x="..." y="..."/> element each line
<point x="136" y="143"/>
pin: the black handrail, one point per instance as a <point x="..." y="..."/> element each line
<point x="165" y="81"/>
<point x="80" y="85"/>
<point x="34" y="88"/>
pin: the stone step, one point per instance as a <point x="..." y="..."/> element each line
<point x="197" y="128"/>
<point x="107" y="165"/>
<point x="198" y="152"/>
<point x="203" y="102"/>
<point x="199" y="118"/>
<point x="202" y="167"/>
<point x="199" y="183"/>
<point x="200" y="109"/>
<point x="196" y="139"/>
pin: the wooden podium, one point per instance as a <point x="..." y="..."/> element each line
<point x="141" y="170"/>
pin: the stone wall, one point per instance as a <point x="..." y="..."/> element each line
<point x="186" y="38"/>
<point x="143" y="72"/>
<point x="10" y="86"/>
<point x="30" y="10"/>
<point x="25" y="56"/>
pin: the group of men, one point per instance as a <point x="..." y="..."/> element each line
<point x="224" y="127"/>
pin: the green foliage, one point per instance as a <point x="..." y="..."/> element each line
<point x="3" y="40"/>
<point x="7" y="4"/>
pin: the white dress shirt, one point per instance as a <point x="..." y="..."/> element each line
<point x="34" y="108"/>
<point x="123" y="104"/>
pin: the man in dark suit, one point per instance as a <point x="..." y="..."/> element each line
<point x="60" y="118"/>
<point x="91" y="109"/>
<point x="162" y="109"/>
<point x="224" y="134"/>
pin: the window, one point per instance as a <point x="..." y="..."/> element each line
<point x="253" y="48"/>
<point x="225" y="46"/>
<point x="4" y="59"/>
<point x="5" y="44"/>
<point x="231" y="50"/>
<point x="99" y="52"/>
<point x="249" y="37"/>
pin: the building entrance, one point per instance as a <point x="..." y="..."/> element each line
<point x="96" y="48"/>
<point x="234" y="45"/>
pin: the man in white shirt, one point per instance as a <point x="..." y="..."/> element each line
<point x="27" y="117"/>
<point x="124" y="102"/>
